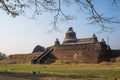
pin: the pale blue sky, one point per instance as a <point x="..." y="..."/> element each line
<point x="21" y="34"/>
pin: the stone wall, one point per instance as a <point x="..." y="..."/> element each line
<point x="80" y="53"/>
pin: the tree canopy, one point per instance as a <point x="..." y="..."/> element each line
<point x="18" y="7"/>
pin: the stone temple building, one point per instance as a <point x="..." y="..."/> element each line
<point x="74" y="50"/>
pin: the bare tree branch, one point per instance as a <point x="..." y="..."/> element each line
<point x="17" y="7"/>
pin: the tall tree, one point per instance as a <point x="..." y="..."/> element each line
<point x="18" y="7"/>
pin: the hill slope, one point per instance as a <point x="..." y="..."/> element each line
<point x="20" y="58"/>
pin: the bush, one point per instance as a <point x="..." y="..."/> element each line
<point x="105" y="63"/>
<point x="2" y="56"/>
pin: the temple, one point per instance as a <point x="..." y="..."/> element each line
<point x="74" y="50"/>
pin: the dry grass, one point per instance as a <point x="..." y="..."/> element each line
<point x="62" y="71"/>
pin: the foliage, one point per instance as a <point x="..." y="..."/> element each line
<point x="17" y="7"/>
<point x="2" y="56"/>
<point x="82" y="71"/>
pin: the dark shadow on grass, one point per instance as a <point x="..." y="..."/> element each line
<point x="43" y="75"/>
<point x="71" y="76"/>
<point x="29" y="76"/>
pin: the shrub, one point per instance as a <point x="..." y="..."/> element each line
<point x="2" y="56"/>
<point x="105" y="63"/>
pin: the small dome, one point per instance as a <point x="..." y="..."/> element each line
<point x="70" y="36"/>
<point x="38" y="48"/>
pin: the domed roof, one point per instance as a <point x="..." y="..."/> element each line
<point x="38" y="48"/>
<point x="70" y="36"/>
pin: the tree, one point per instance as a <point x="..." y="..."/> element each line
<point x="18" y="7"/>
<point x="2" y="56"/>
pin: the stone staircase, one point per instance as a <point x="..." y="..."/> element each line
<point x="40" y="59"/>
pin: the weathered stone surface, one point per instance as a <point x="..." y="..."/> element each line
<point x="82" y="53"/>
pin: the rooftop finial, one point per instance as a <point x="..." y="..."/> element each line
<point x="94" y="38"/>
<point x="94" y="35"/>
<point x="70" y="29"/>
<point x="57" y="42"/>
<point x="103" y="40"/>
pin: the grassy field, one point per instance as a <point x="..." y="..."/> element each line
<point x="74" y="71"/>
